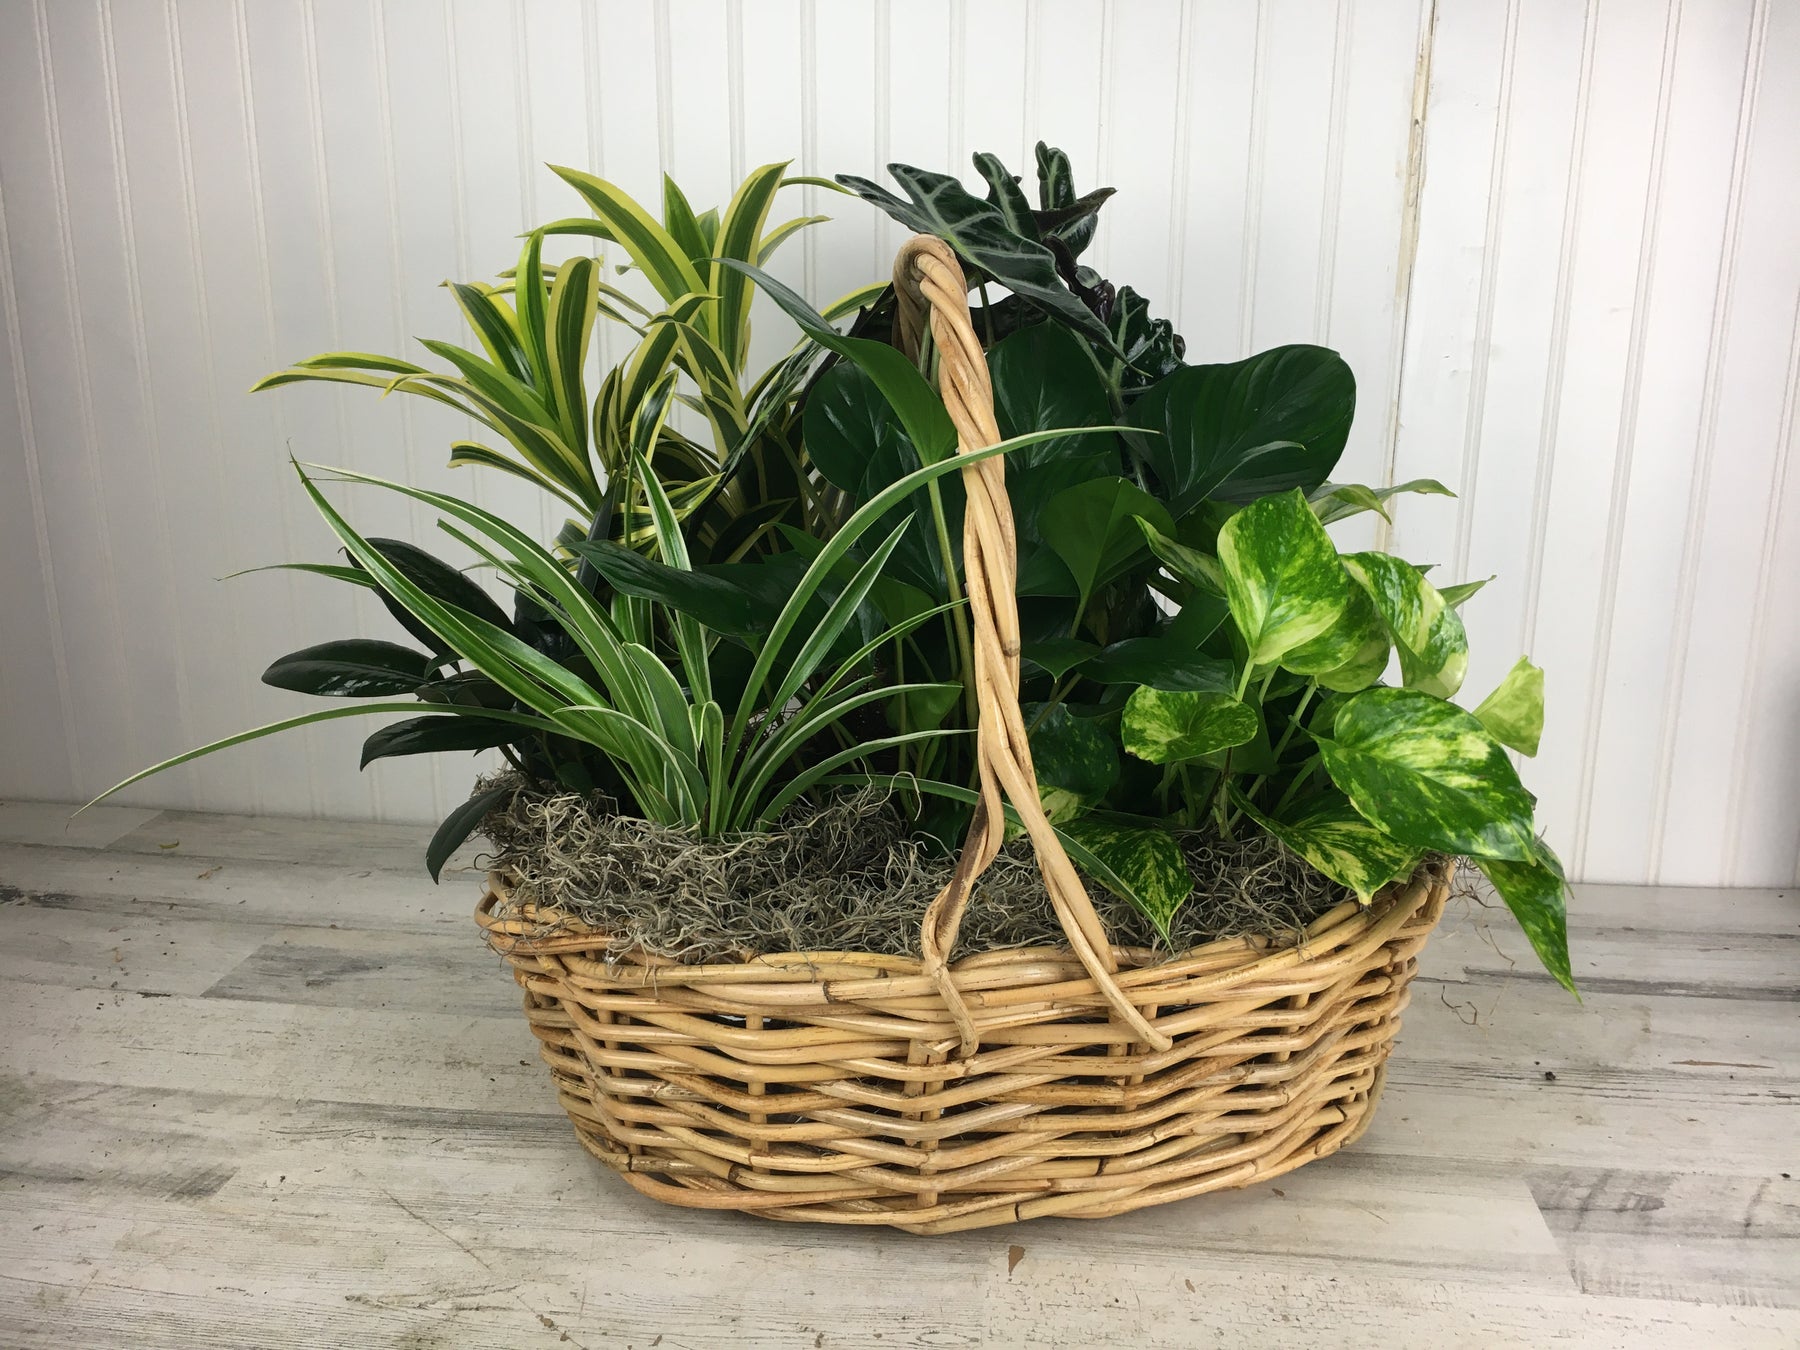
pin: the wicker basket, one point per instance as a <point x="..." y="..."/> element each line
<point x="845" y="1087"/>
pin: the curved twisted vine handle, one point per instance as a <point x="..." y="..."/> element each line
<point x="929" y="281"/>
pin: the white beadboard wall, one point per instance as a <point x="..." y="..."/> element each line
<point x="1558" y="242"/>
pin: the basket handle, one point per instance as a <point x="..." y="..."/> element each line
<point x="930" y="285"/>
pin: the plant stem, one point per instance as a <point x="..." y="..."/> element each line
<point x="987" y="315"/>
<point x="1244" y="683"/>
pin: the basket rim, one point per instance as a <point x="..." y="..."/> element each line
<point x="545" y="930"/>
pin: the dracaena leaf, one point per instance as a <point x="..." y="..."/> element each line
<point x="1283" y="580"/>
<point x="1428" y="774"/>
<point x="1335" y="838"/>
<point x="461" y="823"/>
<point x="435" y="734"/>
<point x="1166" y="726"/>
<point x="1514" y="712"/>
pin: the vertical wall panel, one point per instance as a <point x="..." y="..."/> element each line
<point x="1569" y="291"/>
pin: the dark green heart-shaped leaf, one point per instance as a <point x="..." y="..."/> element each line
<point x="1428" y="774"/>
<point x="1167" y="726"/>
<point x="434" y="734"/>
<point x="1248" y="429"/>
<point x="938" y="204"/>
<point x="1140" y="863"/>
<point x="1059" y="655"/>
<point x="1093" y="528"/>
<point x="1282" y="577"/>
<point x="1514" y="712"/>
<point x="1428" y="634"/>
<point x="1349" y="655"/>
<point x="1161" y="662"/>
<point x="1077" y="762"/>
<point x="1331" y="835"/>
<point x="1534" y="891"/>
<point x="351" y="668"/>
<point x="1044" y="379"/>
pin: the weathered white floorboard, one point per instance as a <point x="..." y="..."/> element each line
<point x="265" y="1087"/>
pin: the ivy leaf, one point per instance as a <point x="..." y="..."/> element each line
<point x="1139" y="862"/>
<point x="1237" y="432"/>
<point x="1334" y="837"/>
<point x="1282" y="577"/>
<point x="1093" y="528"/>
<point x="1431" y="640"/>
<point x="1534" y="891"/>
<point x="937" y="203"/>
<point x="1514" y="712"/>
<point x="1428" y="774"/>
<point x="1076" y="761"/>
<point x="1166" y="726"/>
<point x="351" y="668"/>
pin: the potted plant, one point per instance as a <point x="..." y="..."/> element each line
<point x="826" y="656"/>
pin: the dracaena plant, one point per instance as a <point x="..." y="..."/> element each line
<point x="1199" y="655"/>
<point x="528" y="383"/>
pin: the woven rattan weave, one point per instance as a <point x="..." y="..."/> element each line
<point x="933" y="1096"/>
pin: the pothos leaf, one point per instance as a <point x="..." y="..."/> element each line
<point x="1335" y="838"/>
<point x="1348" y="656"/>
<point x="1428" y="774"/>
<point x="1433" y="646"/>
<point x="1076" y="761"/>
<point x="1093" y="528"/>
<point x="1167" y="726"/>
<point x="1140" y="863"/>
<point x="1534" y="891"/>
<point x="1282" y="577"/>
<point x="1514" y="712"/>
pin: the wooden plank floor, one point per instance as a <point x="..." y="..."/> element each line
<point x="262" y="1086"/>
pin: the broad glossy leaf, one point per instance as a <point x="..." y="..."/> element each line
<point x="1062" y="212"/>
<point x="1140" y="863"/>
<point x="1044" y="378"/>
<point x="1249" y="429"/>
<point x="1161" y="662"/>
<point x="1199" y="569"/>
<point x="435" y="734"/>
<point x="1093" y="528"/>
<point x="1166" y="726"/>
<point x="439" y="580"/>
<point x="1428" y="774"/>
<point x="1534" y="891"/>
<point x="351" y="668"/>
<point x="1334" y="837"/>
<point x="1283" y="580"/>
<point x="1428" y="634"/>
<point x="1336" y="501"/>
<point x="1059" y="655"/>
<point x="461" y="823"/>
<point x="1077" y="762"/>
<point x="1514" y="712"/>
<point x="1004" y="192"/>
<point x="1152" y="347"/>
<point x="1349" y="655"/>
<point x="719" y="603"/>
<point x="937" y="203"/>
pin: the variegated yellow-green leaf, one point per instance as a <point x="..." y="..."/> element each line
<point x="1354" y="646"/>
<point x="1168" y="725"/>
<point x="1282" y="577"/>
<point x="1514" y="712"/>
<point x="1138" y="863"/>
<point x="1198" y="569"/>
<point x="1335" y="501"/>
<point x="1433" y="647"/>
<point x="1534" y="892"/>
<point x="1428" y="774"/>
<point x="1334" y="837"/>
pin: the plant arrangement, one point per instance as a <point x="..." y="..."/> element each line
<point x="758" y="600"/>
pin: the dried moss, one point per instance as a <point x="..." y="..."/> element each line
<point x="847" y="876"/>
